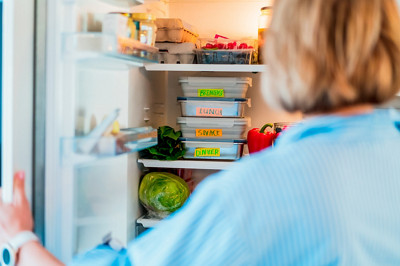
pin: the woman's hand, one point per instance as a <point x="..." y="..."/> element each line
<point x="15" y="217"/>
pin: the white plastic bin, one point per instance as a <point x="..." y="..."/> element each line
<point x="215" y="87"/>
<point x="212" y="107"/>
<point x="214" y="150"/>
<point x="213" y="128"/>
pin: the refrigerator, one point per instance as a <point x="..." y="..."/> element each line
<point x="62" y="78"/>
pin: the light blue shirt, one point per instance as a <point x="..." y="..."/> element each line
<point x="327" y="194"/>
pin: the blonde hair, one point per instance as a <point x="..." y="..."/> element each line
<point x="327" y="54"/>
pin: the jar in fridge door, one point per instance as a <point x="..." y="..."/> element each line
<point x="145" y="27"/>
<point x="263" y="24"/>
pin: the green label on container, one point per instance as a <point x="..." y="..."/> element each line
<point x="207" y="152"/>
<point x="211" y="93"/>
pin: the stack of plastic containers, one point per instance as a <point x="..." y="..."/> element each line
<point x="213" y="124"/>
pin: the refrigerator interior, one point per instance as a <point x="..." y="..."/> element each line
<point x="93" y="196"/>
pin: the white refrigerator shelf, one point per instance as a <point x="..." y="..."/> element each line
<point x="100" y="50"/>
<point x="76" y="150"/>
<point x="186" y="164"/>
<point x="147" y="222"/>
<point x="205" y="67"/>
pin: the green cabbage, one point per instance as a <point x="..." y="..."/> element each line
<point x="162" y="193"/>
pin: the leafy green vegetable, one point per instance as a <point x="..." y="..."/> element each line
<point x="162" y="193"/>
<point x="168" y="147"/>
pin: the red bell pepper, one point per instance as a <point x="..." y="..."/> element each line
<point x="258" y="139"/>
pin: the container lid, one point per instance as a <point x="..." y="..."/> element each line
<point x="211" y="99"/>
<point x="142" y="16"/>
<point x="227" y="81"/>
<point x="212" y="122"/>
<point x="238" y="141"/>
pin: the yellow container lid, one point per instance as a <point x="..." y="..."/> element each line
<point x="142" y="16"/>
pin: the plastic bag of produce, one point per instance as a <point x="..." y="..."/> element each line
<point x="162" y="193"/>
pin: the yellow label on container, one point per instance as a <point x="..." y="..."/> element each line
<point x="203" y="111"/>
<point x="207" y="152"/>
<point x="204" y="133"/>
<point x="217" y="93"/>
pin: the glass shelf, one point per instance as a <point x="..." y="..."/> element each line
<point x="101" y="50"/>
<point x="77" y="150"/>
<point x="186" y="164"/>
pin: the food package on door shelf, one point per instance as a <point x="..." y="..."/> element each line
<point x="162" y="193"/>
<point x="176" y="53"/>
<point x="175" y="30"/>
<point x="222" y="50"/>
<point x="135" y="35"/>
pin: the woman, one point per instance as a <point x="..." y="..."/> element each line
<point x="328" y="193"/>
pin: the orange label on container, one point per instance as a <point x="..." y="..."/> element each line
<point x="201" y="111"/>
<point x="207" y="152"/>
<point x="204" y="133"/>
<point x="211" y="93"/>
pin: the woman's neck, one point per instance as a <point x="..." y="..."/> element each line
<point x="347" y="111"/>
<point x="353" y="110"/>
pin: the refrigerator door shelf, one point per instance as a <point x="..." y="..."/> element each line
<point x="106" y="50"/>
<point x="73" y="150"/>
<point x="114" y="3"/>
<point x="123" y="3"/>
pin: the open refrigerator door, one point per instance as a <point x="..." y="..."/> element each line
<point x="17" y="96"/>
<point x="98" y="102"/>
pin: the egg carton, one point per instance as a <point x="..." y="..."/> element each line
<point x="175" y="30"/>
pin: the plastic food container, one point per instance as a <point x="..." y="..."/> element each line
<point x="175" y="30"/>
<point x="280" y="126"/>
<point x="219" y="87"/>
<point x="213" y="128"/>
<point x="239" y="56"/>
<point x="212" y="107"/>
<point x="221" y="50"/>
<point x="214" y="150"/>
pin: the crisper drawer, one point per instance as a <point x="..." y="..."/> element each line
<point x="212" y="107"/>
<point x="213" y="128"/>
<point x="215" y="87"/>
<point x="214" y="150"/>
